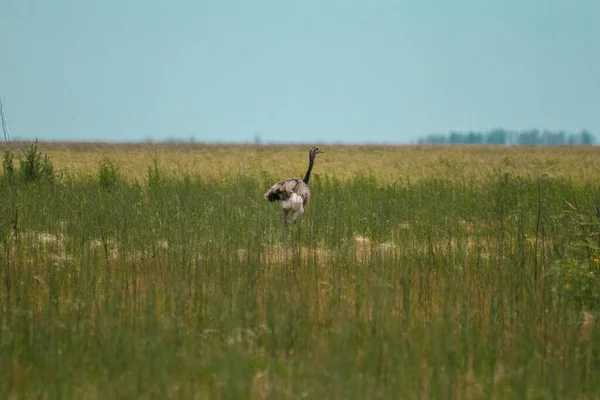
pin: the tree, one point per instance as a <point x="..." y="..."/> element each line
<point x="496" y="136"/>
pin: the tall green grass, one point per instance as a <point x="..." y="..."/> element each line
<point x="191" y="288"/>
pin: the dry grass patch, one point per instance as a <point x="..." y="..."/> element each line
<point x="284" y="255"/>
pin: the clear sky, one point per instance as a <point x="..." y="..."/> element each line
<point x="297" y="70"/>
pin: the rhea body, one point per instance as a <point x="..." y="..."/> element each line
<point x="293" y="194"/>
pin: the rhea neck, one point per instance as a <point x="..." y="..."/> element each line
<point x="310" y="165"/>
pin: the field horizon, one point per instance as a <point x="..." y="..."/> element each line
<point x="383" y="162"/>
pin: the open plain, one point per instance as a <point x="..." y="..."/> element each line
<point x="160" y="271"/>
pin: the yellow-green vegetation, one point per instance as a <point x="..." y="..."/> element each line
<point x="159" y="271"/>
<point x="384" y="163"/>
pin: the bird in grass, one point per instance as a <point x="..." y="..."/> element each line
<point x="293" y="194"/>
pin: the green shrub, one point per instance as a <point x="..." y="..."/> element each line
<point x="108" y="176"/>
<point x="577" y="273"/>
<point x="33" y="167"/>
<point x="8" y="166"/>
<point x="155" y="175"/>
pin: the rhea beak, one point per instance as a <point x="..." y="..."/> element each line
<point x="320" y="151"/>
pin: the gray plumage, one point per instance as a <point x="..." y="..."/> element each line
<point x="293" y="194"/>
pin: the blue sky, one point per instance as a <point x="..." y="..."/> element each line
<point x="297" y="70"/>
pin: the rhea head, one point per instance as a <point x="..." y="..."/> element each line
<point x="314" y="151"/>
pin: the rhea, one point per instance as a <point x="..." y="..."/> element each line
<point x="293" y="194"/>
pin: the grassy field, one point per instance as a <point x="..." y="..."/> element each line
<point x="159" y="271"/>
<point x="384" y="163"/>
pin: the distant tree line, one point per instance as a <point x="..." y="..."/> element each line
<point x="507" y="137"/>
